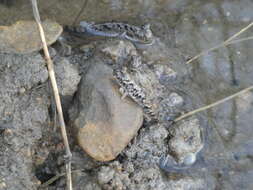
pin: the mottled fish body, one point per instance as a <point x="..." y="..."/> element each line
<point x="99" y="29"/>
<point x="134" y="91"/>
<point x="135" y="34"/>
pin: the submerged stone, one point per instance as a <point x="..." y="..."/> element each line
<point x="23" y="36"/>
<point x="186" y="141"/>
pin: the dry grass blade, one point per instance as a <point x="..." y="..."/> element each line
<point x="56" y="93"/>
<point x="238" y="33"/>
<point x="225" y="43"/>
<point x="53" y="179"/>
<point x="240" y="40"/>
<point x="213" y="104"/>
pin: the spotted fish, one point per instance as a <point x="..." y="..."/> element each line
<point x="134" y="91"/>
<point x="135" y="34"/>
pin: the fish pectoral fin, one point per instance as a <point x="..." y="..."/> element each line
<point x="123" y="96"/>
<point x="123" y="93"/>
<point x="123" y="35"/>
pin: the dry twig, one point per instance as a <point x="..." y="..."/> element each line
<point x="56" y="93"/>
<point x="225" y="43"/>
<point x="56" y="177"/>
<point x="213" y="104"/>
<point x="240" y="40"/>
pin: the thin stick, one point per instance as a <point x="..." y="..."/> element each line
<point x="213" y="104"/>
<point x="52" y="180"/>
<point x="238" y="33"/>
<point x="240" y="40"/>
<point x="225" y="43"/>
<point x="56" y="177"/>
<point x="51" y="72"/>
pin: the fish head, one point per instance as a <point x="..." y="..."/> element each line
<point x="147" y="31"/>
<point x="85" y="24"/>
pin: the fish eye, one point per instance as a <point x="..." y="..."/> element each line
<point x="119" y="26"/>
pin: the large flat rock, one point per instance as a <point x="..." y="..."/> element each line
<point x="23" y="36"/>
<point x="104" y="123"/>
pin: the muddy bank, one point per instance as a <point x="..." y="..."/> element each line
<point x="31" y="146"/>
<point x="24" y="80"/>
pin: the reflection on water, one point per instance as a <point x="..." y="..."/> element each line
<point x="190" y="26"/>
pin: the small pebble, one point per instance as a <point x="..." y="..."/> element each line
<point x="22" y="90"/>
<point x="189" y="159"/>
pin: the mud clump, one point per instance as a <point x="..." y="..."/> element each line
<point x="23" y="117"/>
<point x="187" y="139"/>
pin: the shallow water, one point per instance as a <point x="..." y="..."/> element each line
<point x="190" y="26"/>
<point x="228" y="149"/>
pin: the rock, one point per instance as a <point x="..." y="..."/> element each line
<point x="186" y="141"/>
<point x="105" y="175"/>
<point x="104" y="122"/>
<point x="23" y="36"/>
<point x="67" y="77"/>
